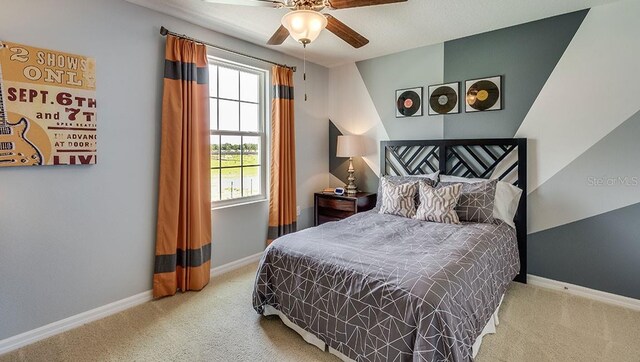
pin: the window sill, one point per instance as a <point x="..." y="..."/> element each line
<point x="241" y="203"/>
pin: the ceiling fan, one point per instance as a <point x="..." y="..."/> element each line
<point x="305" y="21"/>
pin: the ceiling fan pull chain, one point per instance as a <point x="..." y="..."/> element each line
<point x="304" y="70"/>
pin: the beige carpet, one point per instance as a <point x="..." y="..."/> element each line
<point x="218" y="324"/>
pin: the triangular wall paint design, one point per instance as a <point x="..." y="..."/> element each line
<point x="524" y="54"/>
<point x="592" y="90"/>
<point x="604" y="178"/>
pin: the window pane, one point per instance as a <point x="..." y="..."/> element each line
<point x="229" y="83"/>
<point x="249" y="84"/>
<point x="215" y="151"/>
<point x="213" y="81"/>
<point x="231" y="183"/>
<point x="213" y="113"/>
<point x="249" y="117"/>
<point x="251" y="179"/>
<point x="230" y="149"/>
<point x="251" y="154"/>
<point x="215" y="185"/>
<point x="229" y="115"/>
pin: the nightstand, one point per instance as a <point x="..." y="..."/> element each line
<point x="330" y="207"/>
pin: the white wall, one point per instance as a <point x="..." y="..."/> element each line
<point x="75" y="238"/>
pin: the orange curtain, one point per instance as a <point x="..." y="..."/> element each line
<point x="282" y="201"/>
<point x="183" y="241"/>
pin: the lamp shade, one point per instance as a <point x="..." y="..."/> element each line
<point x="349" y="146"/>
<point x="304" y="25"/>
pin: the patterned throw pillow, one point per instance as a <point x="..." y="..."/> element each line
<point x="398" y="199"/>
<point x="438" y="204"/>
<point x="476" y="201"/>
<point x="432" y="178"/>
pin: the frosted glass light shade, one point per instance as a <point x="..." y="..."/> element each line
<point x="349" y="146"/>
<point x="304" y="25"/>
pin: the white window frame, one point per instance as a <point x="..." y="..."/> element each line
<point x="263" y="109"/>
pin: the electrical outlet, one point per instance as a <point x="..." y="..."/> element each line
<point x="298" y="210"/>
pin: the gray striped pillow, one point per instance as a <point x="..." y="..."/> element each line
<point x="438" y="205"/>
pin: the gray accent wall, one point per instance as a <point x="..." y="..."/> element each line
<point x="524" y="54"/>
<point x="601" y="252"/>
<point x="77" y="238"/>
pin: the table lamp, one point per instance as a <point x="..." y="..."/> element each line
<point x="350" y="146"/>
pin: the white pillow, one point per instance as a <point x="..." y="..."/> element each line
<point x="507" y="198"/>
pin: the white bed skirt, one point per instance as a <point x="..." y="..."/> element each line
<point x="490" y="328"/>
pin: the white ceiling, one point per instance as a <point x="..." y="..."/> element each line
<point x="390" y="28"/>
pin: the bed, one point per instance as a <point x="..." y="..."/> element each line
<point x="377" y="287"/>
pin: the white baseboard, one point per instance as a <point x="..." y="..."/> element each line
<point x="51" y="329"/>
<point x="598" y="295"/>
<point x="34" y="335"/>
<point x="236" y="264"/>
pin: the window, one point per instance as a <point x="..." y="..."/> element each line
<point x="238" y="138"/>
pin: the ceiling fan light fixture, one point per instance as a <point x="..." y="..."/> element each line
<point x="304" y="25"/>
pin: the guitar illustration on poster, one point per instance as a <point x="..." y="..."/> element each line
<point x="47" y="107"/>
<point x="15" y="148"/>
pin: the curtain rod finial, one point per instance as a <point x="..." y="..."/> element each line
<point x="163" y="31"/>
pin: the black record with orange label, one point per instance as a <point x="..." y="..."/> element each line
<point x="408" y="103"/>
<point x="482" y="95"/>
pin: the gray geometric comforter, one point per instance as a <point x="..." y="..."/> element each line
<point x="385" y="288"/>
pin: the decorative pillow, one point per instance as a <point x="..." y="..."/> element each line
<point x="438" y="204"/>
<point x="398" y="199"/>
<point x="476" y="201"/>
<point x="397" y="180"/>
<point x="506" y="201"/>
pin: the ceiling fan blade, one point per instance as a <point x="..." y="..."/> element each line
<point x="344" y="4"/>
<point x="279" y="36"/>
<point x="263" y="3"/>
<point x="345" y="33"/>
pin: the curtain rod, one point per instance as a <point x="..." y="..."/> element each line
<point x="164" y="31"/>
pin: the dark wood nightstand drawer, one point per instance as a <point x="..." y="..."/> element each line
<point x="337" y="204"/>
<point x="330" y="207"/>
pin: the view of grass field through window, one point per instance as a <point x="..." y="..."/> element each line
<point x="237" y="133"/>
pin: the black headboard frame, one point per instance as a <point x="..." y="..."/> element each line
<point x="473" y="158"/>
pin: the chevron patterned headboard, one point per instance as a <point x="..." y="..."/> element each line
<point x="501" y="158"/>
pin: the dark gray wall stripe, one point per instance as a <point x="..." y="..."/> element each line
<point x="186" y="71"/>
<point x="600" y="252"/>
<point x="282" y="92"/>
<point x="190" y="258"/>
<point x="275" y="232"/>
<point x="366" y="179"/>
<point x="525" y="54"/>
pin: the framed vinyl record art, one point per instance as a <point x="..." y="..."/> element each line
<point x="444" y="98"/>
<point x="484" y="94"/>
<point x="409" y="102"/>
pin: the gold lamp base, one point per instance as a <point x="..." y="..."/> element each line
<point x="351" y="188"/>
